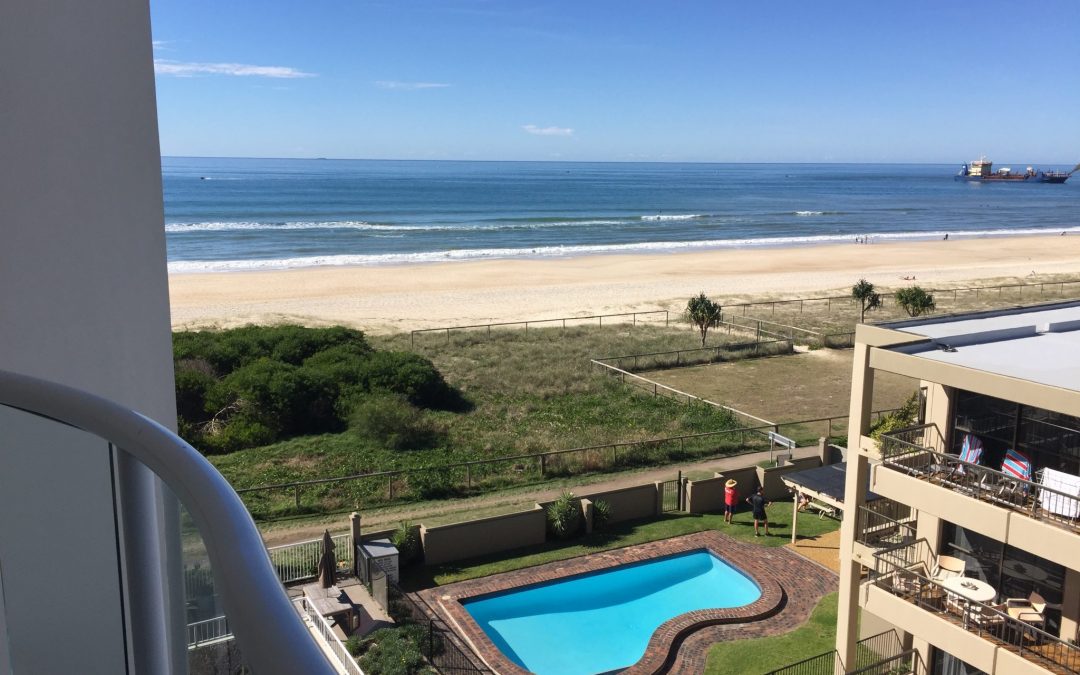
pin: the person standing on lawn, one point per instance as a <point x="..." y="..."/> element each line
<point x="757" y="504"/>
<point x="731" y="498"/>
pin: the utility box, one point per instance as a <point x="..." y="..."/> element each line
<point x="381" y="554"/>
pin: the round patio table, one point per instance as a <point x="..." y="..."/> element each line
<point x="972" y="589"/>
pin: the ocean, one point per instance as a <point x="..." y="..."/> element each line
<point x="246" y="214"/>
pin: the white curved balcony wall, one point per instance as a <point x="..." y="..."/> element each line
<point x="84" y="301"/>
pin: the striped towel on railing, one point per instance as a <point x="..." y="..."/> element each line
<point x="1016" y="464"/>
<point x="972" y="449"/>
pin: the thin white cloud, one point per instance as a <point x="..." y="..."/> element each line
<point x="161" y="44"/>
<point x="189" y="69"/>
<point x="548" y="131"/>
<point x="409" y="86"/>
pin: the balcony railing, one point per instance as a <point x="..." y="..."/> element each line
<point x="330" y="639"/>
<point x="208" y="632"/>
<point x="903" y="572"/>
<point x="1033" y="499"/>
<point x="273" y="637"/>
<point x="877" y="530"/>
<point x="881" y="654"/>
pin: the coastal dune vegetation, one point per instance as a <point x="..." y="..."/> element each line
<point x="273" y="405"/>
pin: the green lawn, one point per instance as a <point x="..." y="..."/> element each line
<point x="747" y="657"/>
<point x="617" y="536"/>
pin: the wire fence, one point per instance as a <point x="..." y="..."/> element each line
<point x="1034" y="289"/>
<point x="698" y="356"/>
<point x="485" y="328"/>
<point x="462" y="478"/>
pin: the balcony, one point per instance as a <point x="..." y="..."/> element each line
<point x="983" y="633"/>
<point x="912" y="452"/>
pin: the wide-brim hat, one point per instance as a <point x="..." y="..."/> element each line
<point x="731" y="483"/>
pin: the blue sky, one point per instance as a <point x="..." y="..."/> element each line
<point x="620" y="80"/>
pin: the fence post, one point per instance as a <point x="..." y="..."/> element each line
<point x="665" y="318"/>
<point x="543" y="464"/>
<point x="601" y="317"/>
<point x="390" y="487"/>
<point x="635" y="319"/>
<point x="447" y="336"/>
<point x="614" y="455"/>
<point x="296" y="495"/>
<point x="468" y="476"/>
<point x="412" y="338"/>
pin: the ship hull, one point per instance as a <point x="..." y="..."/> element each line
<point x="1037" y="178"/>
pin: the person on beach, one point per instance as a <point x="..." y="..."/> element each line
<point x="731" y="498"/>
<point x="758" y="504"/>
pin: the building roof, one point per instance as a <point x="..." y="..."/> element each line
<point x="1040" y="344"/>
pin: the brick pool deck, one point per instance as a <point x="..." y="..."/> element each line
<point x="791" y="586"/>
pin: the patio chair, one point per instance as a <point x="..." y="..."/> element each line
<point x="948" y="566"/>
<point x="990" y="618"/>
<point x="909" y="581"/>
<point x="1028" y="610"/>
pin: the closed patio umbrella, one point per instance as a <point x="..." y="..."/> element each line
<point x="328" y="562"/>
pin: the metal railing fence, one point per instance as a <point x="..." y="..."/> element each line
<point x="209" y="631"/>
<point x="907" y="662"/>
<point x="877" y="530"/>
<point x="872" y="655"/>
<point x="828" y="663"/>
<point x="900" y="571"/>
<point x="299" y="561"/>
<point x="979" y="482"/>
<point x="535" y="322"/>
<point x="325" y="631"/>
<point x="441" y="647"/>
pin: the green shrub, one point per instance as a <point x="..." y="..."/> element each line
<point x="601" y="514"/>
<point x="395" y="651"/>
<point x="394" y="423"/>
<point x="907" y="415"/>
<point x="564" y="516"/>
<point x="407" y="541"/>
<point x="410" y="375"/>
<point x="276" y="382"/>
<point x="354" y="645"/>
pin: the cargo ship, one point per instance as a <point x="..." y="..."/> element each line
<point x="982" y="171"/>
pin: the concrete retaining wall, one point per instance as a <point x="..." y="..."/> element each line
<point x="631" y="503"/>
<point x="705" y="496"/>
<point x="747" y="478"/>
<point x="470" y="539"/>
<point x="770" y="478"/>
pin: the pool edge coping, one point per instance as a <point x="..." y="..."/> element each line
<point x="663" y="645"/>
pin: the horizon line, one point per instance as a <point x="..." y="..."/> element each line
<point x="574" y="161"/>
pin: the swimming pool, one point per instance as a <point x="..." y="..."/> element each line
<point x="602" y="621"/>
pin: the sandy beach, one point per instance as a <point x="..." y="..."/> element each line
<point x="390" y="298"/>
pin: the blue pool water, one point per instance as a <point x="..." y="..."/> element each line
<point x="602" y="621"/>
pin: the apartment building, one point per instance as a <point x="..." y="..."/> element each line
<point x="973" y="553"/>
